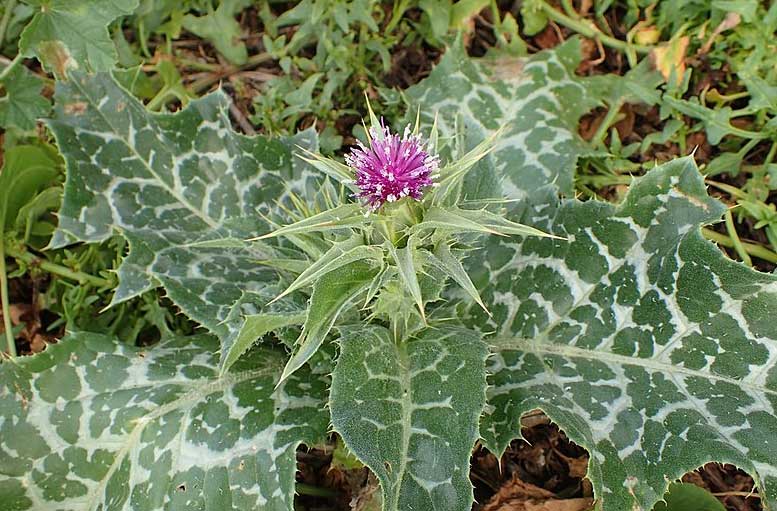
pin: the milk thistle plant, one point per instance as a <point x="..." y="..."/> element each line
<point x="430" y="318"/>
<point x="403" y="229"/>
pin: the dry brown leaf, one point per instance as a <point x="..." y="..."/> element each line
<point x="368" y="498"/>
<point x="515" y="489"/>
<point x="669" y="58"/>
<point x="731" y="20"/>
<point x="517" y="495"/>
<point x="38" y="343"/>
<point x="578" y="467"/>
<point x="17" y="310"/>
<point x="580" y="504"/>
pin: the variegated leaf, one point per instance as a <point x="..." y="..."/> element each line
<point x="642" y="340"/>
<point x="93" y="424"/>
<point x="170" y="183"/>
<point x="537" y="100"/>
<point x="409" y="411"/>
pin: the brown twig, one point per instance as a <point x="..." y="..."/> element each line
<point x="241" y="120"/>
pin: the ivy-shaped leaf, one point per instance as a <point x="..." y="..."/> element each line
<point x="72" y="34"/>
<point x="639" y="338"/>
<point x="171" y="184"/>
<point x="22" y="105"/>
<point x="26" y="171"/>
<point x="93" y="424"/>
<point x="410" y="412"/>
<point x="537" y="100"/>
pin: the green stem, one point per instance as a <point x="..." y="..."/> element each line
<point x="10" y="67"/>
<point x="388" y="231"/>
<point x="159" y="100"/>
<point x="604" y="127"/>
<point x="770" y="154"/>
<point x="199" y="66"/>
<point x="9" y="337"/>
<point x="396" y="14"/>
<point x="590" y="30"/>
<point x="732" y="233"/>
<point x="9" y="7"/>
<point x="731" y="97"/>
<point x="731" y="190"/>
<point x="568" y="8"/>
<point x="314" y="491"/>
<point x="752" y="249"/>
<point x="142" y="39"/>
<point x="600" y="181"/>
<point x="58" y="269"/>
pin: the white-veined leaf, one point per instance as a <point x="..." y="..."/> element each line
<point x="537" y="101"/>
<point x="94" y="424"/>
<point x="639" y="338"/>
<point x="174" y="185"/>
<point x="331" y="294"/>
<point x="410" y="410"/>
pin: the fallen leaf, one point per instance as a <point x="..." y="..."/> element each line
<point x="369" y="497"/>
<point x="731" y="20"/>
<point x="669" y="58"/>
<point x="517" y="495"/>
<point x="38" y="343"/>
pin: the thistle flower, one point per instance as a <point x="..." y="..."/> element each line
<point x="392" y="167"/>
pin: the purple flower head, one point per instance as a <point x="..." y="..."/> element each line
<point x="392" y="167"/>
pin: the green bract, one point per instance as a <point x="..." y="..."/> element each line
<point x="426" y="325"/>
<point x="402" y="251"/>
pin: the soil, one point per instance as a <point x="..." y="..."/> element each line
<point x="544" y="471"/>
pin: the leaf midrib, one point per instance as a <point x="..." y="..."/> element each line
<point x="565" y="350"/>
<point x="200" y="214"/>
<point x="407" y="415"/>
<point x="193" y="395"/>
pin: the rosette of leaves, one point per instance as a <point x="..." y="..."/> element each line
<point x="640" y="339"/>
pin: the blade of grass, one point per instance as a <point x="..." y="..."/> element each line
<point x="738" y="247"/>
<point x="9" y="337"/>
<point x="752" y="249"/>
